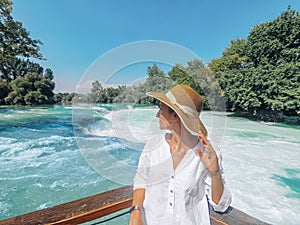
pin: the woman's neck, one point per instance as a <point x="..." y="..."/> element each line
<point x="183" y="139"/>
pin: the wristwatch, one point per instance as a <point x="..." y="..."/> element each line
<point x="135" y="207"/>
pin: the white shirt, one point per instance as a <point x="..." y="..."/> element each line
<point x="175" y="197"/>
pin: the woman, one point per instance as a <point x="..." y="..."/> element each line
<point x="180" y="171"/>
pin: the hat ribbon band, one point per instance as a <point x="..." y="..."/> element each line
<point x="190" y="112"/>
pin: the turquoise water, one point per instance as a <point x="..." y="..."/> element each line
<point x="292" y="180"/>
<point x="41" y="164"/>
<point x="51" y="155"/>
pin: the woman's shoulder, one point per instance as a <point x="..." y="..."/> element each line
<point x="156" y="137"/>
<point x="155" y="141"/>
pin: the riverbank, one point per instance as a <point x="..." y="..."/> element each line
<point x="270" y="117"/>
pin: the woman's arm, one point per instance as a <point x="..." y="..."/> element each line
<point x="217" y="186"/>
<point x="138" y="199"/>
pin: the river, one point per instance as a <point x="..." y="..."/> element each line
<point x="51" y="155"/>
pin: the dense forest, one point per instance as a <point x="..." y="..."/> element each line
<point x="257" y="77"/>
<point x="260" y="75"/>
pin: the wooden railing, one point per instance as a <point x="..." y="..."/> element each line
<point x="97" y="206"/>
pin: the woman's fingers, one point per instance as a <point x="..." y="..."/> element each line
<point x="205" y="145"/>
<point x="209" y="158"/>
<point x="200" y="137"/>
<point x="199" y="152"/>
<point x="203" y="138"/>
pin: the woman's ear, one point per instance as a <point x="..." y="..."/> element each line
<point x="175" y="117"/>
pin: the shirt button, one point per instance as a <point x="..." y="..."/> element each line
<point x="170" y="203"/>
<point x="171" y="191"/>
<point x="172" y="177"/>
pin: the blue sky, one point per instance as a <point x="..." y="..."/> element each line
<point x="75" y="33"/>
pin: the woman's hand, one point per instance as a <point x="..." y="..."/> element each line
<point x="209" y="157"/>
<point x="136" y="218"/>
<point x="210" y="160"/>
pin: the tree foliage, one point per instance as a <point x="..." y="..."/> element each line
<point x="67" y="98"/>
<point x="156" y="81"/>
<point x="14" y="39"/>
<point x="4" y="90"/>
<point x="205" y="83"/>
<point x="31" y="89"/>
<point x="21" y="80"/>
<point x="196" y="75"/>
<point x="154" y="71"/>
<point x="180" y="75"/>
<point x="260" y="75"/>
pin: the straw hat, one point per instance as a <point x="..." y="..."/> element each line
<point x="187" y="103"/>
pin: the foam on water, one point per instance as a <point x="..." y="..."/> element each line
<point x="256" y="158"/>
<point x="137" y="120"/>
<point x="42" y="163"/>
<point x="134" y="125"/>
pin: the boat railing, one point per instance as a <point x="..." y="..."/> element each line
<point x="103" y="204"/>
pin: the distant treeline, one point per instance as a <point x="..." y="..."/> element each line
<point x="257" y="77"/>
<point x="195" y="74"/>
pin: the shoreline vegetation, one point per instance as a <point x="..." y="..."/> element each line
<point x="289" y="122"/>
<point x="257" y="77"/>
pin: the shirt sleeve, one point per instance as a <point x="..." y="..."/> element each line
<point x="226" y="197"/>
<point x="141" y="176"/>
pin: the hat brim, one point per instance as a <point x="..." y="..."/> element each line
<point x="193" y="125"/>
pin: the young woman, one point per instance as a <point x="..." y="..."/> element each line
<point x="179" y="172"/>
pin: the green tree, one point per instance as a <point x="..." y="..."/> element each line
<point x="5" y="8"/>
<point x="276" y="41"/>
<point x="24" y="80"/>
<point x="260" y="76"/>
<point x="234" y="58"/>
<point x="67" y="98"/>
<point x="35" y="97"/>
<point x="156" y="81"/>
<point x="15" y="67"/>
<point x="155" y="71"/>
<point x="112" y="93"/>
<point x="31" y="89"/>
<point x="58" y="98"/>
<point x="14" y="42"/>
<point x="48" y="74"/>
<point x="96" y="93"/>
<point x="4" y="90"/>
<point x="96" y="86"/>
<point x="14" y="98"/>
<point x="206" y="85"/>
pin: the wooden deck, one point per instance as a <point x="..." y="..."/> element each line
<point x="97" y="206"/>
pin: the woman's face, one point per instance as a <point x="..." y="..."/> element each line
<point x="165" y="116"/>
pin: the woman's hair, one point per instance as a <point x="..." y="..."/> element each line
<point x="170" y="110"/>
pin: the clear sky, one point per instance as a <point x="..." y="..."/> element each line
<point x="75" y="33"/>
